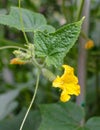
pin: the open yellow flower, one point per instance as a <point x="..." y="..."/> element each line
<point x="68" y="83"/>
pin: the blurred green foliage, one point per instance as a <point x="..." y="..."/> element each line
<point x="17" y="82"/>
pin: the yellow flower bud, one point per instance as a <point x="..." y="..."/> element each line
<point x="89" y="44"/>
<point x="17" y="61"/>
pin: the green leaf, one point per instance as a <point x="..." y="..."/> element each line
<point x="13" y="123"/>
<point x="55" y="46"/>
<point x="31" y="21"/>
<point x="81" y="128"/>
<point x="61" y="116"/>
<point x="7" y="105"/>
<point x="93" y="123"/>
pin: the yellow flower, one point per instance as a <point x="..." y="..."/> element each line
<point x="17" y="61"/>
<point x="68" y="83"/>
<point x="89" y="44"/>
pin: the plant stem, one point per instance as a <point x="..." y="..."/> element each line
<point x="64" y="9"/>
<point x="97" y="84"/>
<point x="82" y="55"/>
<point x="32" y="101"/>
<point x="36" y="64"/>
<point x="84" y="35"/>
<point x="17" y="47"/>
<point x="21" y="21"/>
<point x="80" y="10"/>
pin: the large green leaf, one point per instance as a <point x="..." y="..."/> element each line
<point x="93" y="123"/>
<point x="31" y="21"/>
<point x="61" y="116"/>
<point x="13" y="123"/>
<point x="7" y="105"/>
<point x="55" y="46"/>
<point x="7" y="100"/>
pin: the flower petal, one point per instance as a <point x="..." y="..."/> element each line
<point x="64" y="96"/>
<point x="57" y="82"/>
<point x="68" y="76"/>
<point x="72" y="89"/>
<point x="68" y="69"/>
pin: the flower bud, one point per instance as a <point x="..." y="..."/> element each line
<point x="17" y="61"/>
<point x="89" y="44"/>
<point x="48" y="74"/>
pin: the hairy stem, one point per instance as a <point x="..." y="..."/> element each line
<point x="32" y="101"/>
<point x="80" y="9"/>
<point x="16" y="47"/>
<point x="22" y="24"/>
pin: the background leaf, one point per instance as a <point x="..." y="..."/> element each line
<point x="56" y="45"/>
<point x="32" y="122"/>
<point x="61" y="116"/>
<point x="32" y="21"/>
<point x="7" y="104"/>
<point x="93" y="123"/>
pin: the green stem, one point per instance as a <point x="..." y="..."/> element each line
<point x="80" y="10"/>
<point x="84" y="35"/>
<point x="97" y="84"/>
<point x="32" y="101"/>
<point x="16" y="47"/>
<point x="64" y="9"/>
<point x="78" y="17"/>
<point x="22" y="24"/>
<point x="35" y="63"/>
